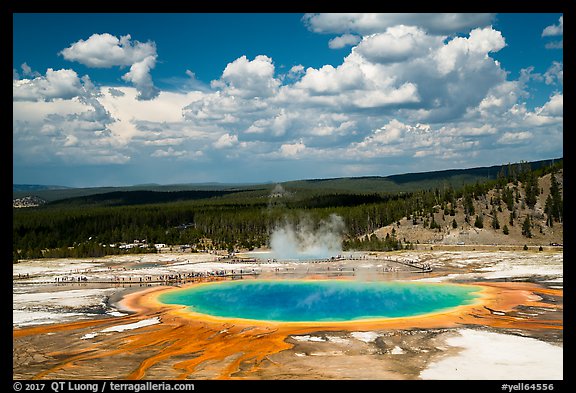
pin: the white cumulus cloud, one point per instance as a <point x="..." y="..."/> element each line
<point x="462" y="50"/>
<point x="554" y="30"/>
<point x="226" y="141"/>
<point x="139" y="75"/>
<point x="554" y="107"/>
<point x="369" y="23"/>
<point x="344" y="40"/>
<point x="249" y="78"/>
<point x="105" y="51"/>
<point x="292" y="150"/>
<point x="397" y="43"/>
<point x="509" y="138"/>
<point x="63" y="84"/>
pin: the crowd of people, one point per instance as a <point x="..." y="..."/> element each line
<point x="162" y="278"/>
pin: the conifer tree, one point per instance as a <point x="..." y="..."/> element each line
<point x="495" y="223"/>
<point x="527" y="227"/>
<point x="479" y="222"/>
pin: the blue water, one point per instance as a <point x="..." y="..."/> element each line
<point x="320" y="301"/>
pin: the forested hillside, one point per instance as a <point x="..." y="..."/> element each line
<point x="245" y="219"/>
<point x="520" y="209"/>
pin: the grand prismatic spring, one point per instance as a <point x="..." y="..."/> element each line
<point x="319" y="301"/>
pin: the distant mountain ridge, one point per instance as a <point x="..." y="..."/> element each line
<point x="407" y="182"/>
<point x="485" y="171"/>
<point x="411" y="181"/>
<point x="36" y="187"/>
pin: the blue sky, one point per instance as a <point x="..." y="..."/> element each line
<point x="121" y="99"/>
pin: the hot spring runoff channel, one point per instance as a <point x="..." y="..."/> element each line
<point x="319" y="301"/>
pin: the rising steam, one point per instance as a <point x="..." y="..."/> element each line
<point x="307" y="241"/>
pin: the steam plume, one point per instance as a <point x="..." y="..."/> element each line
<point x="305" y="241"/>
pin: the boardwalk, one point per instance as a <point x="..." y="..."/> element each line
<point x="146" y="279"/>
<point x="424" y="267"/>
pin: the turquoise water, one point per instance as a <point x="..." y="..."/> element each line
<point x="319" y="301"/>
